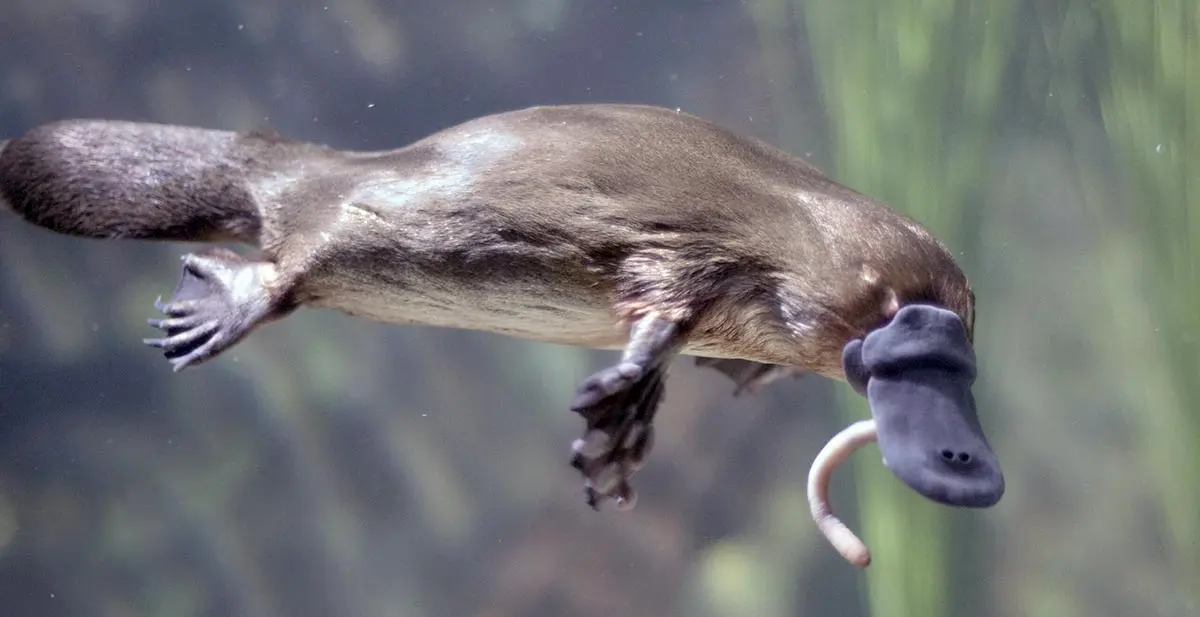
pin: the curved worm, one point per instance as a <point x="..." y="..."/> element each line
<point x="840" y="447"/>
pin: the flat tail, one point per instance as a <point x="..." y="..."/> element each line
<point x="136" y="180"/>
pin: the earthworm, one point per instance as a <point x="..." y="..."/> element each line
<point x="839" y="448"/>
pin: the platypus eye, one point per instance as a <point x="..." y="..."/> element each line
<point x="970" y="325"/>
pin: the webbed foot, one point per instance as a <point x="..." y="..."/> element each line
<point x="618" y="405"/>
<point x="219" y="299"/>
<point x="748" y="376"/>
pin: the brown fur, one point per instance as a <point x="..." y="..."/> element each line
<point x="559" y="224"/>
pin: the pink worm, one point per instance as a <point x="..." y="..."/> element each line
<point x="839" y="448"/>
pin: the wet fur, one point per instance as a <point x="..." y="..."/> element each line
<point x="559" y="224"/>
<point x="606" y="226"/>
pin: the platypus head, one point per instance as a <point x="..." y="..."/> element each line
<point x="916" y="373"/>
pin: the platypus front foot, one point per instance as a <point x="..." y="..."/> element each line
<point x="220" y="298"/>
<point x="618" y="405"/>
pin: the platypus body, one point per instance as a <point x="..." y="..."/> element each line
<point x="604" y="226"/>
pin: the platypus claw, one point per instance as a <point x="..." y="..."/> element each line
<point x="218" y="300"/>
<point x="618" y="405"/>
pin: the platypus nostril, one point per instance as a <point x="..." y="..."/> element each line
<point x="952" y="457"/>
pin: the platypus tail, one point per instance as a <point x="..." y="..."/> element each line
<point x="109" y="179"/>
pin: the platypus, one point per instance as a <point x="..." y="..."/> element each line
<point x="606" y="226"/>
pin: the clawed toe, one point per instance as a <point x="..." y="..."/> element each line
<point x="175" y="308"/>
<point x="214" y="305"/>
<point x="619" y="405"/>
<point x="193" y="334"/>
<point x="174" y="325"/>
<point x="604" y="385"/>
<point x="185" y="345"/>
<point x="209" y="348"/>
<point x="607" y="467"/>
